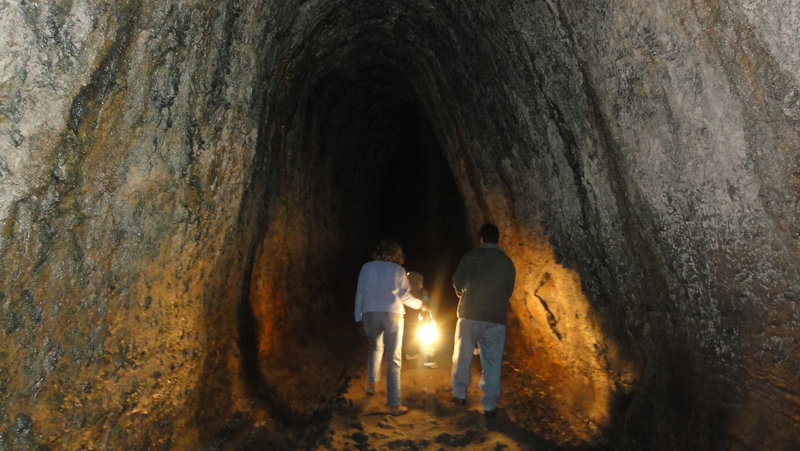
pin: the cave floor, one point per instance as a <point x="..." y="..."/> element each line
<point x="433" y="421"/>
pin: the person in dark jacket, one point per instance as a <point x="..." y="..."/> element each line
<point x="484" y="282"/>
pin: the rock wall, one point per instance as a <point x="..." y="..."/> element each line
<point x="128" y="132"/>
<point x="656" y="142"/>
<point x="184" y="185"/>
<point x="687" y="186"/>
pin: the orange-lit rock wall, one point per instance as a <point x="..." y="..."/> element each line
<point x="661" y="197"/>
<point x="646" y="148"/>
<point x="558" y="338"/>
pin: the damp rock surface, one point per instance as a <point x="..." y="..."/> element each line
<point x="187" y="192"/>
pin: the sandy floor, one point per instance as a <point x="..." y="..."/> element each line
<point x="433" y="422"/>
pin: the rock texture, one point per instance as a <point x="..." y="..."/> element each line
<point x="128" y="134"/>
<point x="187" y="192"/>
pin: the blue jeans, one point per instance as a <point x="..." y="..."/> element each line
<point x="490" y="338"/>
<point x="385" y="334"/>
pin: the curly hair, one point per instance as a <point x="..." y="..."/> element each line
<point x="389" y="251"/>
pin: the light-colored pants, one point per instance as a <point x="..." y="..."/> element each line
<point x="490" y="338"/>
<point x="385" y="333"/>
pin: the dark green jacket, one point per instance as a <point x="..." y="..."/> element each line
<point x="484" y="281"/>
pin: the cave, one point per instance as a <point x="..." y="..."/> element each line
<point x="188" y="191"/>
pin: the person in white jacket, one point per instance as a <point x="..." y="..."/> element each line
<point x="382" y="292"/>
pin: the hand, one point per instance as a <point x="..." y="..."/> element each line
<point x="362" y="331"/>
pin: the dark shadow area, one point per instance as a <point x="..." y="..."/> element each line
<point x="248" y="338"/>
<point x="391" y="173"/>
<point x="421" y="207"/>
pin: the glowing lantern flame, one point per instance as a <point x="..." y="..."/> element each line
<point x="427" y="333"/>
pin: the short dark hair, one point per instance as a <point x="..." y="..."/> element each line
<point x="489" y="233"/>
<point x="389" y="251"/>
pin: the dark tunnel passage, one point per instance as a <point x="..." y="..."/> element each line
<point x="189" y="189"/>
<point x="420" y="205"/>
<point x="368" y="138"/>
<point x="368" y="166"/>
<point x="370" y="132"/>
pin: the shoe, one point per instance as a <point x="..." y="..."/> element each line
<point x="459" y="401"/>
<point x="489" y="414"/>
<point x="396" y="411"/>
<point x="431" y="365"/>
<point x="370" y="388"/>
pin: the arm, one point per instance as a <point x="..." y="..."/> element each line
<point x="360" y="295"/>
<point x="460" y="277"/>
<point x="411" y="301"/>
<point x="404" y="292"/>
